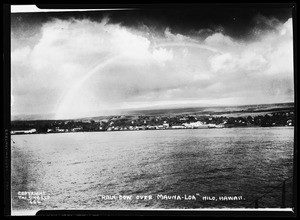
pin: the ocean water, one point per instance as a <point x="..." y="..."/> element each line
<point x="154" y="169"/>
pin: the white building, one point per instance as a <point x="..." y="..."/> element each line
<point x="197" y="124"/>
<point x="31" y="131"/>
<point x="178" y="126"/>
<point x="220" y="126"/>
<point x="166" y="125"/>
<point x="212" y="125"/>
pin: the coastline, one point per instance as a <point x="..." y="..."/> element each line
<point x="168" y="129"/>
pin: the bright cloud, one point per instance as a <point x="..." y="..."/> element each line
<point x="78" y="66"/>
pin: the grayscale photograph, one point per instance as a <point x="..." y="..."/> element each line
<point x="152" y="108"/>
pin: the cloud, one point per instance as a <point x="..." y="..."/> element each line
<point x="20" y="55"/>
<point x="271" y="54"/>
<point x="75" y="66"/>
<point x="177" y="37"/>
<point x="219" y="39"/>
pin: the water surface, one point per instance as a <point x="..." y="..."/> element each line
<point x="76" y="169"/>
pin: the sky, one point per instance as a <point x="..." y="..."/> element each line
<point x="76" y="64"/>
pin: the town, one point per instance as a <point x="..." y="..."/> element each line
<point x="148" y="122"/>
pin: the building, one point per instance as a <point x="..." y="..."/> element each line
<point x="212" y="125"/>
<point x="31" y="131"/>
<point x="166" y="125"/>
<point x="76" y="129"/>
<point x="151" y="127"/>
<point x="197" y="124"/>
<point x="178" y="126"/>
<point x="220" y="126"/>
<point x="289" y="122"/>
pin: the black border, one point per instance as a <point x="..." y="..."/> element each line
<point x="7" y="110"/>
<point x="295" y="47"/>
<point x="163" y="213"/>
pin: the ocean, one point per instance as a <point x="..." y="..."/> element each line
<point x="152" y="169"/>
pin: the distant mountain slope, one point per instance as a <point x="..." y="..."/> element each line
<point x="177" y="111"/>
<point x="208" y="110"/>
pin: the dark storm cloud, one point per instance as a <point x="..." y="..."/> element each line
<point x="236" y="21"/>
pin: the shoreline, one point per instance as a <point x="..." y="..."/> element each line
<point x="172" y="129"/>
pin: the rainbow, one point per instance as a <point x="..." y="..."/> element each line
<point x="63" y="108"/>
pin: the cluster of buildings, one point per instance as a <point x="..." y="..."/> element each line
<point x="165" y="125"/>
<point x="57" y="130"/>
<point x="125" y="123"/>
<point x="199" y="124"/>
<point x="111" y="127"/>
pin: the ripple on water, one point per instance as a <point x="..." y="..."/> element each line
<point x="75" y="172"/>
